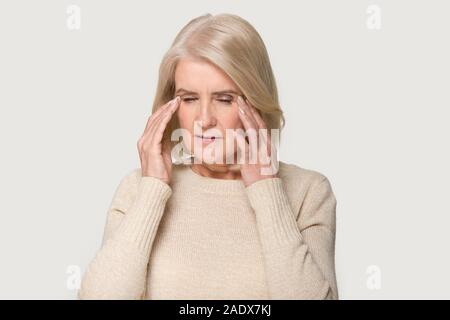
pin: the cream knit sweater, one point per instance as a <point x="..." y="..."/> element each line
<point x="206" y="238"/>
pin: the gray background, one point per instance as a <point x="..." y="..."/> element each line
<point x="367" y="108"/>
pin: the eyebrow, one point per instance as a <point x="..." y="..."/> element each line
<point x="214" y="93"/>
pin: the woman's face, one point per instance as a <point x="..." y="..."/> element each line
<point x="208" y="107"/>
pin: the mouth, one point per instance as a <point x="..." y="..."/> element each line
<point x="207" y="138"/>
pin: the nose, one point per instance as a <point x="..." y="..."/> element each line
<point x="206" y="115"/>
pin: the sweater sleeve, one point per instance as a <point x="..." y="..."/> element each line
<point x="119" y="268"/>
<point x="298" y="252"/>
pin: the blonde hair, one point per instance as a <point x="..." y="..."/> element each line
<point x="232" y="44"/>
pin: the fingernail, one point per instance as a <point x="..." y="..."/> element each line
<point x="241" y="110"/>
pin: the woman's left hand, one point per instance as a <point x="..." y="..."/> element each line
<point x="260" y="155"/>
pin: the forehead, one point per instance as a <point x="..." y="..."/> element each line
<point x="201" y="76"/>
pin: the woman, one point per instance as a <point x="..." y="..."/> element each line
<point x="212" y="229"/>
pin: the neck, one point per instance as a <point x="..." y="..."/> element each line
<point x="216" y="171"/>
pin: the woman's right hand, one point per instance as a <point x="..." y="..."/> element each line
<point x="154" y="153"/>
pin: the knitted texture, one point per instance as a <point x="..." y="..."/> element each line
<point x="206" y="238"/>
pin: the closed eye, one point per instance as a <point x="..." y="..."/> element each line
<point x="225" y="101"/>
<point x="189" y="99"/>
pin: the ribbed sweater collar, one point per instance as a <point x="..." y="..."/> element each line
<point x="184" y="175"/>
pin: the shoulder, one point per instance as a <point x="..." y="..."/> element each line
<point x="296" y="176"/>
<point x="303" y="185"/>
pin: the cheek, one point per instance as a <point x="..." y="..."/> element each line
<point x="185" y="118"/>
<point x="231" y="121"/>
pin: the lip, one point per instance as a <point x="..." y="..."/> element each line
<point x="207" y="140"/>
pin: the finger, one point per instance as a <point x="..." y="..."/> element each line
<point x="252" y="128"/>
<point x="256" y="115"/>
<point x="248" y="150"/>
<point x="156" y="114"/>
<point x="155" y="118"/>
<point x="246" y="115"/>
<point x="243" y="148"/>
<point x="166" y="150"/>
<point x="266" y="151"/>
<point x="264" y="144"/>
<point x="147" y="137"/>
<point x="160" y="125"/>
<point x="166" y="105"/>
<point x="264" y="133"/>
